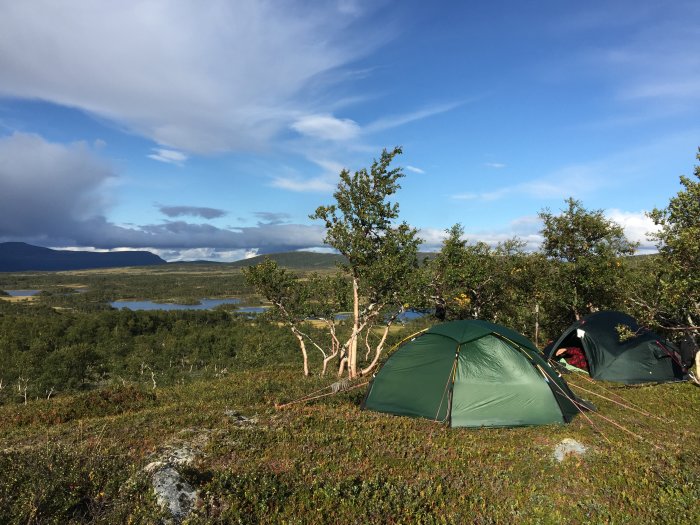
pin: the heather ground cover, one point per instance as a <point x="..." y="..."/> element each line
<point x="81" y="458"/>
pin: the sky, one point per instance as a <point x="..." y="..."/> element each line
<point x="211" y="130"/>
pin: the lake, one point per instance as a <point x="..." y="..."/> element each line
<point x="210" y="304"/>
<point x="205" y="304"/>
<point x="22" y="293"/>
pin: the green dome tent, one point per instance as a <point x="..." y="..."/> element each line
<point x="646" y="357"/>
<point x="471" y="374"/>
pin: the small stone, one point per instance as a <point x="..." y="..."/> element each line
<point x="239" y="418"/>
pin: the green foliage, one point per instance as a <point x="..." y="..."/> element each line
<point x="66" y="484"/>
<point x="50" y="352"/>
<point x="678" y="270"/>
<point x="360" y="226"/>
<point x="110" y="401"/>
<point x="587" y="249"/>
<point x="289" y="296"/>
<point x="362" y="214"/>
<point x="474" y="281"/>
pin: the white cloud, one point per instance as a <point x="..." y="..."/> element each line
<point x="324" y="183"/>
<point x="637" y="227"/>
<point x="415" y="170"/>
<point x="327" y="127"/>
<point x="495" y="165"/>
<point x="204" y="254"/>
<point x="169" y="156"/>
<point x="193" y="77"/>
<point x="317" y="184"/>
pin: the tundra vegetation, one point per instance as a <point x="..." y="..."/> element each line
<point x="90" y="395"/>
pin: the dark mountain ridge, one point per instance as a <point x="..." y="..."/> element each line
<point x="20" y="256"/>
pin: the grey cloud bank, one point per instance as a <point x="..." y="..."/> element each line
<point x="55" y="195"/>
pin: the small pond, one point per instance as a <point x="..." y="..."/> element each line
<point x="22" y="293"/>
<point x="408" y="315"/>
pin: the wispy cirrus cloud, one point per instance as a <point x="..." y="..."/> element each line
<point x="221" y="65"/>
<point x="414" y="169"/>
<point x="395" y="121"/>
<point x="569" y="181"/>
<point x="653" y="64"/>
<point x="328" y="127"/>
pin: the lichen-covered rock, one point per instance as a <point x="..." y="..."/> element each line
<point x="569" y="447"/>
<point x="173" y="493"/>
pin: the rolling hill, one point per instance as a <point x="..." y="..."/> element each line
<point x="295" y="260"/>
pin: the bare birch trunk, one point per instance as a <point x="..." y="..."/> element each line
<point x="302" y="345"/>
<point x="342" y="365"/>
<point x="335" y="347"/>
<point x="377" y="352"/>
<point x="352" y="353"/>
<point x="537" y="325"/>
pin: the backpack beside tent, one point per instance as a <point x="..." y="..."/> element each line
<point x="471" y="374"/>
<point x="645" y="357"/>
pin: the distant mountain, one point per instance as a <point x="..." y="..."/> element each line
<point x="19" y="256"/>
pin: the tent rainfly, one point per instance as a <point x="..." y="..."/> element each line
<point x="471" y="374"/>
<point x="645" y="357"/>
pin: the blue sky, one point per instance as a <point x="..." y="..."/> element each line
<point x="211" y="130"/>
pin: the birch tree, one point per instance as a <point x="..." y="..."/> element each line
<point x="381" y="256"/>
